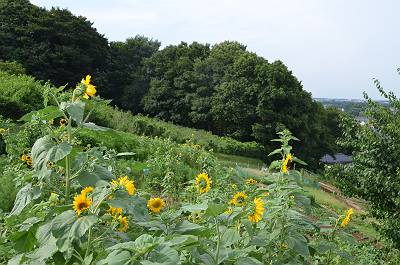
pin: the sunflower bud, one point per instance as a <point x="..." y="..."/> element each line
<point x="54" y="198"/>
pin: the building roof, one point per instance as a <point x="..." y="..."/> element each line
<point x="339" y="158"/>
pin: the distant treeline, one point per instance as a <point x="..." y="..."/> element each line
<point x="355" y="108"/>
<point x="221" y="88"/>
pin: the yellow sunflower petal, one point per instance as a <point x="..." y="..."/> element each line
<point x="81" y="203"/>
<point x="203" y="182"/>
<point x="239" y="199"/>
<point x="155" y="204"/>
<point x="258" y="211"/>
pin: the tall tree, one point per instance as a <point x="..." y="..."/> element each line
<point x="124" y="78"/>
<point x="173" y="81"/>
<point x="51" y="44"/>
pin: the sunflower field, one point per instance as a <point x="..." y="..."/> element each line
<point x="82" y="198"/>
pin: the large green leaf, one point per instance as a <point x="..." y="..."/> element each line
<point x="75" y="110"/>
<point x="229" y="237"/>
<point x="67" y="226"/>
<point x="28" y="223"/>
<point x="162" y="255"/>
<point x="194" y="207"/>
<point x="45" y="150"/>
<point x="117" y="258"/>
<point x="248" y="261"/>
<point x="24" y="197"/>
<point x="215" y="209"/>
<point x="44" y="235"/>
<point x="298" y="243"/>
<point x="183" y="241"/>
<point x="91" y="177"/>
<point x="47" y="113"/>
<point x="134" y="205"/>
<point x="41" y="254"/>
<point x="186" y="227"/>
<point x="24" y="241"/>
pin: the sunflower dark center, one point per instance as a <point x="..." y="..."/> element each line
<point x="82" y="205"/>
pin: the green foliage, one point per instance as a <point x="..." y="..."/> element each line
<point x="224" y="89"/>
<point x="173" y="81"/>
<point x="235" y="93"/>
<point x="124" y="77"/>
<point x="12" y="68"/>
<point x="141" y="125"/>
<point x="51" y="44"/>
<point x="194" y="227"/>
<point x="373" y="175"/>
<point x="7" y="189"/>
<point x="19" y="94"/>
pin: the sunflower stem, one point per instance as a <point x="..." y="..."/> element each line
<point x="218" y="242"/>
<point x="89" y="242"/>
<point x="67" y="163"/>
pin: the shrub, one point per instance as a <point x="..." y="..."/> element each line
<point x="374" y="173"/>
<point x="19" y="94"/>
<point x="124" y="121"/>
<point x="12" y="67"/>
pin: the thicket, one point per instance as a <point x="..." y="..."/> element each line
<point x="117" y="119"/>
<point x="19" y="94"/>
<point x="374" y="174"/>
<point x="222" y="88"/>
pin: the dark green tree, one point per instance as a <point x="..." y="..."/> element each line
<point x="125" y="78"/>
<point x="284" y="104"/>
<point x="173" y="81"/>
<point x="51" y="44"/>
<point x="209" y="74"/>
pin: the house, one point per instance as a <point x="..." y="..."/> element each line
<point x="338" y="158"/>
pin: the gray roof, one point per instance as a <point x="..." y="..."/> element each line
<point x="337" y="158"/>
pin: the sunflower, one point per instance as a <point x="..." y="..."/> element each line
<point x="123" y="223"/>
<point x="23" y="157"/>
<point x="203" y="182"/>
<point x="86" y="190"/>
<point x="63" y="122"/>
<point x="346" y="219"/>
<point x="2" y="130"/>
<point x="114" y="211"/>
<point x="258" y="211"/>
<point x="50" y="164"/>
<point x="286" y="162"/>
<point x="29" y="162"/>
<point x="81" y="203"/>
<point x="239" y="199"/>
<point x="129" y="185"/>
<point x="251" y="181"/>
<point x="228" y="210"/>
<point x="90" y="89"/>
<point x="155" y="204"/>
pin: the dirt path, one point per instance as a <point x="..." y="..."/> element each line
<point x="351" y="202"/>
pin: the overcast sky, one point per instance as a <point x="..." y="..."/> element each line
<point x="335" y="47"/>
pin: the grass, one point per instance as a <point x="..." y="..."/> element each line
<point x="234" y="160"/>
<point x="326" y="199"/>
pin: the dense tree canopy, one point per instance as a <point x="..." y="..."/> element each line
<point x="51" y="44"/>
<point x="221" y="88"/>
<point x="124" y="77"/>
